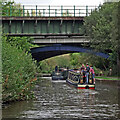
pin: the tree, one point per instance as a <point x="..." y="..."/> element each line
<point x="11" y="9"/>
<point x="101" y="26"/>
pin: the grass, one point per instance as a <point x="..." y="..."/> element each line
<point x="107" y="78"/>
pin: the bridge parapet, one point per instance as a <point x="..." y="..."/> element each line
<point x="48" y="11"/>
<point x="37" y="20"/>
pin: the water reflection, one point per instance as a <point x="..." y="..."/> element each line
<point x="58" y="100"/>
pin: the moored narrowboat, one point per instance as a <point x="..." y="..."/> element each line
<point x="61" y="74"/>
<point x="77" y="79"/>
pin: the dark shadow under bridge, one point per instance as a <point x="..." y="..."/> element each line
<point x="41" y="53"/>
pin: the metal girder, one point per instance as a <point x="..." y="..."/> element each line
<point x="30" y="26"/>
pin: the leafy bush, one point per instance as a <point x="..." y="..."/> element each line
<point x="18" y="72"/>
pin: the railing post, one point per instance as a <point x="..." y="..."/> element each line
<point x="86" y="10"/>
<point x="74" y="10"/>
<point x="36" y="10"/>
<point x="31" y="12"/>
<point x="61" y="10"/>
<point x="23" y="11"/>
<point x="79" y="12"/>
<point x="55" y="12"/>
<point x="43" y="12"/>
<point x="67" y="12"/>
<point x="49" y="10"/>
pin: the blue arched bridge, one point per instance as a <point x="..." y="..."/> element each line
<point x="41" y="53"/>
<point x="50" y="25"/>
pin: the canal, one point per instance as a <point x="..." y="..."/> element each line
<point x="59" y="100"/>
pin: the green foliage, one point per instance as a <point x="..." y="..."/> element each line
<point x="47" y="66"/>
<point x="102" y="27"/>
<point x="11" y="9"/>
<point x="98" y="26"/>
<point x="75" y="60"/>
<point x="44" y="67"/>
<point x="18" y="72"/>
<point x="21" y="42"/>
<point x="99" y="64"/>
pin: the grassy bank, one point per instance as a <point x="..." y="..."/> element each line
<point x="107" y="78"/>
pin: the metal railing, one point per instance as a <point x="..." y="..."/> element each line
<point x="49" y="11"/>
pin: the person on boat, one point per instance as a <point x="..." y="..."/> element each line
<point x="84" y="75"/>
<point x="56" y="68"/>
<point x="82" y="68"/>
<point x="93" y="73"/>
<point x="87" y="72"/>
<point x="83" y="71"/>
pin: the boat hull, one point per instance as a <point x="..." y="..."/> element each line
<point x="60" y="75"/>
<point x="57" y="78"/>
<point x="81" y="86"/>
<point x="86" y="86"/>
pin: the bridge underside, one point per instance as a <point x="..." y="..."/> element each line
<point x="41" y="53"/>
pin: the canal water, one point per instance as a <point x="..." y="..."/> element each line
<point x="59" y="100"/>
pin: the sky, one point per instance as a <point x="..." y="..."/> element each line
<point x="60" y="2"/>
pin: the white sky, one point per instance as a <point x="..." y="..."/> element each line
<point x="60" y="2"/>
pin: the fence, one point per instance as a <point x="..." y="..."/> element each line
<point x="49" y="11"/>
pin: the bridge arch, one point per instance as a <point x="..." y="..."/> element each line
<point x="41" y="53"/>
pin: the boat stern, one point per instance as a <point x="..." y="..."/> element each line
<point x="86" y="86"/>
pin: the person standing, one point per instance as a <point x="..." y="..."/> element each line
<point x="87" y="72"/>
<point x="93" y="73"/>
<point x="56" y="68"/>
<point x="83" y="72"/>
<point x="82" y="68"/>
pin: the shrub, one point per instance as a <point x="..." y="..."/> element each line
<point x="18" y="72"/>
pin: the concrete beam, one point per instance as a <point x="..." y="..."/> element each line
<point x="82" y="39"/>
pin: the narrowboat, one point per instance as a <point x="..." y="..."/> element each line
<point x="77" y="79"/>
<point x="61" y="74"/>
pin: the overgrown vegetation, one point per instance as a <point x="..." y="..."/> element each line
<point x="18" y="69"/>
<point x="102" y="27"/>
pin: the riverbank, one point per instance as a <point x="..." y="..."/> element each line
<point x="107" y="78"/>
